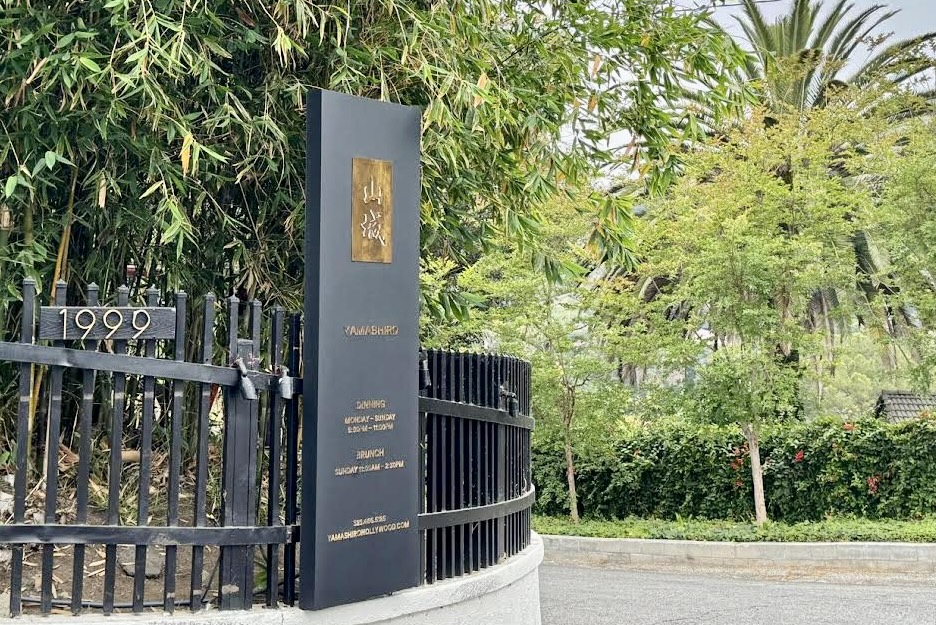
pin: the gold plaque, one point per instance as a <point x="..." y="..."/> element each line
<point x="371" y="210"/>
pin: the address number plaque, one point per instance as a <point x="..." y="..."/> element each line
<point x="120" y="323"/>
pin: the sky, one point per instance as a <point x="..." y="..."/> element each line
<point x="915" y="17"/>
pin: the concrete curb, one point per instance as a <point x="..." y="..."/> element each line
<point x="850" y="556"/>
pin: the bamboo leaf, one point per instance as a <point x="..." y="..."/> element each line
<point x="152" y="189"/>
<point x="186" y="154"/>
<point x="94" y="67"/>
<point x="65" y="41"/>
<point x="482" y="84"/>
<point x="102" y="192"/>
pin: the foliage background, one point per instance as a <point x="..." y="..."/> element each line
<point x="812" y="470"/>
<point x="170" y="133"/>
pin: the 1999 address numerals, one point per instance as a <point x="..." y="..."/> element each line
<point x="86" y="320"/>
<point x="121" y="323"/>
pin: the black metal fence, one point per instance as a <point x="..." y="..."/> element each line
<point x="192" y="452"/>
<point x="148" y="477"/>
<point x="475" y="433"/>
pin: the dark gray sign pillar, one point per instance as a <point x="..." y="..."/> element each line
<point x="360" y="486"/>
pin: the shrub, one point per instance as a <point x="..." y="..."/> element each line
<point x="812" y="470"/>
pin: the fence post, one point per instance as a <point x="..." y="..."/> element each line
<point x="291" y="507"/>
<point x="236" y="577"/>
<point x="501" y="458"/>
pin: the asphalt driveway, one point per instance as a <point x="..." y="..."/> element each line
<point x="573" y="595"/>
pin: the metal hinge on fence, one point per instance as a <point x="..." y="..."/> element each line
<point x="425" y="381"/>
<point x="285" y="383"/>
<point x="247" y="388"/>
<point x="513" y="404"/>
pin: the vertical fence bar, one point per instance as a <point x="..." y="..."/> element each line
<point x="452" y="464"/>
<point x="422" y="450"/>
<point x="462" y="462"/>
<point x="231" y="560"/>
<point x="292" y="460"/>
<point x="493" y="430"/>
<point x="240" y="462"/>
<point x="430" y="478"/>
<point x="440" y="461"/>
<point x="471" y="459"/>
<point x="430" y="468"/>
<point x="438" y="424"/>
<point x="512" y="458"/>
<point x="22" y="445"/>
<point x="146" y="463"/>
<point x="274" y="435"/>
<point x="53" y="432"/>
<point x="113" y="481"/>
<point x="201" y="455"/>
<point x="476" y="461"/>
<point x="251" y="441"/>
<point x="84" y="462"/>
<point x="501" y="458"/>
<point x="175" y="454"/>
<point x="484" y="446"/>
<point x="446" y="461"/>
<point x="482" y="460"/>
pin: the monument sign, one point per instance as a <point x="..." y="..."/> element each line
<point x="360" y="481"/>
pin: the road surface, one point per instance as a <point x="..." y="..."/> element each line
<point x="572" y="595"/>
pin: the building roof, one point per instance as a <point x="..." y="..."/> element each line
<point x="903" y="405"/>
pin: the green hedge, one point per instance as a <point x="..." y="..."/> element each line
<point x="813" y="470"/>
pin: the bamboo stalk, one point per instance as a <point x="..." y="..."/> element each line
<point x="61" y="262"/>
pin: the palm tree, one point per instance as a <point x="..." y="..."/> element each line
<point x="798" y="57"/>
<point x="793" y="63"/>
<point x="796" y="60"/>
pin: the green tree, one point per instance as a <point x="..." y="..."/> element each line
<point x="554" y="324"/>
<point x="170" y="135"/>
<point x="905" y="223"/>
<point x="746" y="238"/>
<point x="800" y="58"/>
<point x="799" y="62"/>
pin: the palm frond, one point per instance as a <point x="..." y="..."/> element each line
<point x="831" y="22"/>
<point x="801" y="23"/>
<point x="892" y="53"/>
<point x="756" y="28"/>
<point x="847" y="34"/>
<point x="862" y="38"/>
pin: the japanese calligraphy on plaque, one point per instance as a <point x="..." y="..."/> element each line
<point x="371" y="210"/>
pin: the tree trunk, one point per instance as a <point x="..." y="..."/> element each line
<point x="570" y="477"/>
<point x="568" y="414"/>
<point x="757" y="473"/>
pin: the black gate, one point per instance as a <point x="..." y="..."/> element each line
<point x="121" y="393"/>
<point x="119" y="387"/>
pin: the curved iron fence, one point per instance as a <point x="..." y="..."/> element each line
<point x="141" y="446"/>
<point x="475" y="435"/>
